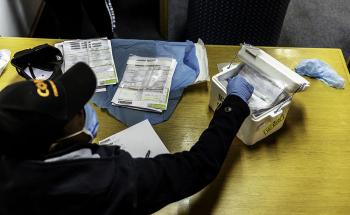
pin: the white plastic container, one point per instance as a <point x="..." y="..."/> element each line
<point x="257" y="127"/>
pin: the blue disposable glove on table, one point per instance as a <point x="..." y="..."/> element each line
<point x="320" y="70"/>
<point x="240" y="87"/>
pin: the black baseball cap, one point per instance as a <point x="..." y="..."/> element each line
<point x="34" y="112"/>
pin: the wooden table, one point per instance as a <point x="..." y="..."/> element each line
<point x="304" y="168"/>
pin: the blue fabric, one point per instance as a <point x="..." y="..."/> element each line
<point x="320" y="70"/>
<point x="185" y="74"/>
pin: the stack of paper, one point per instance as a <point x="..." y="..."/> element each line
<point x="139" y="140"/>
<point x="97" y="53"/>
<point x="266" y="93"/>
<point x="146" y="83"/>
<point x="5" y="56"/>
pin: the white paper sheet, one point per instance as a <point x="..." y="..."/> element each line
<point x="201" y="54"/>
<point x="5" y="56"/>
<point x="139" y="140"/>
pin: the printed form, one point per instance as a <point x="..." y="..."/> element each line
<point x="97" y="53"/>
<point x="146" y="83"/>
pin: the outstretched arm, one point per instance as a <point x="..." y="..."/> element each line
<point x="170" y="177"/>
<point x="156" y="182"/>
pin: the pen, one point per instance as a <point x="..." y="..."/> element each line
<point x="148" y="154"/>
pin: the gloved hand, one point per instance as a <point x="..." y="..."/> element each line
<point x="240" y="87"/>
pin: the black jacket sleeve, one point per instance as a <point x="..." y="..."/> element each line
<point x="170" y="177"/>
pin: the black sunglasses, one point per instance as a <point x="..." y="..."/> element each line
<point x="43" y="59"/>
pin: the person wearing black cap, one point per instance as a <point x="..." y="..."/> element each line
<point x="47" y="167"/>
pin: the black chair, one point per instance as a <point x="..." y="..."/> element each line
<point x="257" y="22"/>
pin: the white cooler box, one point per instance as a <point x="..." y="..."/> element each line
<point x="259" y="125"/>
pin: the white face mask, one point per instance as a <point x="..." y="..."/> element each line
<point x="90" y="126"/>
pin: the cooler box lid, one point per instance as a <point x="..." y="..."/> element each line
<point x="272" y="68"/>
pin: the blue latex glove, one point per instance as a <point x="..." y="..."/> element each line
<point x="91" y="122"/>
<point x="240" y="87"/>
<point x="318" y="69"/>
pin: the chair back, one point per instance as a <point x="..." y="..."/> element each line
<point x="256" y="22"/>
